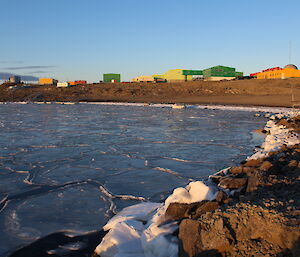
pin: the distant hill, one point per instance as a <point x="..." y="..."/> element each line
<point x="6" y="75"/>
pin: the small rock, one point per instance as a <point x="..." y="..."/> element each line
<point x="293" y="163"/>
<point x="228" y="200"/>
<point x="216" y="179"/>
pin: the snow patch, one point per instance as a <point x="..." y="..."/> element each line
<point x="277" y="137"/>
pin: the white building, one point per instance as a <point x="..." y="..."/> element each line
<point x="63" y="84"/>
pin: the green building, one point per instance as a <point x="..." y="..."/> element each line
<point x="221" y="73"/>
<point x="111" y="78"/>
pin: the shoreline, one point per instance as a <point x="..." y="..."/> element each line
<point x="249" y="108"/>
<point x="275" y="93"/>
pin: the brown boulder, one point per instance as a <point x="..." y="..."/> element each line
<point x="254" y="180"/>
<point x="265" y="166"/>
<point x="221" y="196"/>
<point x="196" y="239"/>
<point x="239" y="228"/>
<point x="253" y="163"/>
<point x="203" y="207"/>
<point x="232" y="183"/>
<point x="236" y="170"/>
<point x="293" y="163"/>
<point x="178" y="211"/>
<point x="248" y="169"/>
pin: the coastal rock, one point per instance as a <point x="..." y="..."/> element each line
<point x="221" y="196"/>
<point x="254" y="180"/>
<point x="232" y="183"/>
<point x="265" y="166"/>
<point x="236" y="170"/>
<point x="293" y="164"/>
<point x="178" y="211"/>
<point x="248" y="170"/>
<point x="240" y="231"/>
<point x="203" y="239"/>
<point x="253" y="163"/>
<point x="201" y="208"/>
<point x="215" y="178"/>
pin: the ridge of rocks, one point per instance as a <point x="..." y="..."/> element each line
<point x="256" y="211"/>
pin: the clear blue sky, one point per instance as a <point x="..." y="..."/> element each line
<point x="82" y="39"/>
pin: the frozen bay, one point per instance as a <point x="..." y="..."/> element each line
<point x="71" y="167"/>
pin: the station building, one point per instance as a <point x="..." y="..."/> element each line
<point x="178" y="75"/>
<point x="47" y="81"/>
<point x="215" y="73"/>
<point x="219" y="72"/>
<point x="143" y="79"/>
<point x="111" y="78"/>
<point x="289" y="71"/>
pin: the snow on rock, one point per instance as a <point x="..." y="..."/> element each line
<point x="140" y="212"/>
<point x="158" y="241"/>
<point x="129" y="237"/>
<point x="278" y="135"/>
<point x="193" y="192"/>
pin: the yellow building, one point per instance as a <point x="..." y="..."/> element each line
<point x="174" y="76"/>
<point x="143" y="79"/>
<point x="47" y="81"/>
<point x="289" y="71"/>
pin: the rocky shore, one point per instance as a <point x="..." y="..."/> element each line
<point x="240" y="92"/>
<point x="254" y="212"/>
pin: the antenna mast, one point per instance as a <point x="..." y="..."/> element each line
<point x="290" y="52"/>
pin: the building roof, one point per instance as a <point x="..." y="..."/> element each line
<point x="291" y="66"/>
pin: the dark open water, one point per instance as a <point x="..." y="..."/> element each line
<point x="70" y="167"/>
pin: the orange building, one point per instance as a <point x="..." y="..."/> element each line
<point x="77" y="82"/>
<point x="289" y="71"/>
<point x="72" y="83"/>
<point x="47" y="81"/>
